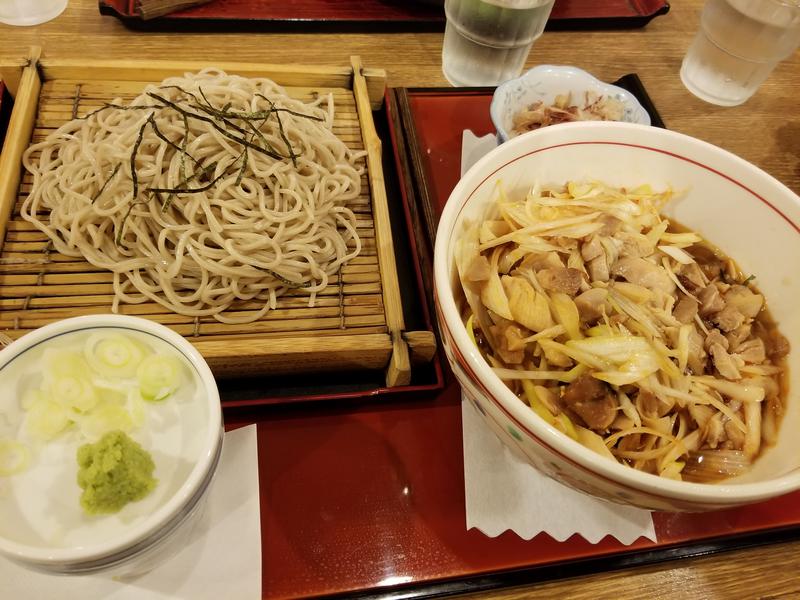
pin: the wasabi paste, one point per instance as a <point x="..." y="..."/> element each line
<point x="112" y="472"/>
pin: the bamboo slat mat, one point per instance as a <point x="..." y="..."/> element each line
<point x="38" y="285"/>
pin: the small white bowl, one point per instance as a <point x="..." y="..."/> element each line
<point x="42" y="525"/>
<point x="544" y="83"/>
<point x="738" y="207"/>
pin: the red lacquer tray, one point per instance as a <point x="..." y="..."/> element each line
<point x="367" y="499"/>
<point x="367" y="14"/>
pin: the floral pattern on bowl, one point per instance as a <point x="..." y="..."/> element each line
<point x="544" y="83"/>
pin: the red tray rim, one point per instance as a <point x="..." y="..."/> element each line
<point x="635" y="13"/>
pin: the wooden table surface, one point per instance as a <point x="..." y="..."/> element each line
<point x="765" y="131"/>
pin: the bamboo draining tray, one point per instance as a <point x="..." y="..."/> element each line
<point x="356" y="323"/>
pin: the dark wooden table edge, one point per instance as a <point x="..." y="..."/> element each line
<point x="571" y="569"/>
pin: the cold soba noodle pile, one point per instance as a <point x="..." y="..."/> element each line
<point x="205" y="190"/>
<point x="629" y="335"/>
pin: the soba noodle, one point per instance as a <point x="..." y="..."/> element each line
<point x="206" y="190"/>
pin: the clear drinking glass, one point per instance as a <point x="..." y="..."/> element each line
<point x="738" y="45"/>
<point x="487" y="42"/>
<point x="30" y="12"/>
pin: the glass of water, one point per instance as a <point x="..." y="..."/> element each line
<point x="738" y="45"/>
<point x="30" y="12"/>
<point x="487" y="42"/>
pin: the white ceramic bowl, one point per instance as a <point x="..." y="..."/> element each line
<point x="544" y="83"/>
<point x="41" y="522"/>
<point x="747" y="213"/>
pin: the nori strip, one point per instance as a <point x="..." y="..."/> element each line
<point x="106" y="182"/>
<point x="203" y="188"/>
<point x="134" y="177"/>
<point x="214" y="124"/>
<point x="172" y="144"/>
<point x="204" y="171"/>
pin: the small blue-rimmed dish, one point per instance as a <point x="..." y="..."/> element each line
<point x="544" y="83"/>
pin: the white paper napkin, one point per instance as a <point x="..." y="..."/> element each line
<point x="503" y="492"/>
<point x="222" y="558"/>
<point x="473" y="148"/>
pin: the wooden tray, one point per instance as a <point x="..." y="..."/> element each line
<point x="367" y="15"/>
<point x="357" y="322"/>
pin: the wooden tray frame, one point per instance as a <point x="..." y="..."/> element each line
<point x="244" y="354"/>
